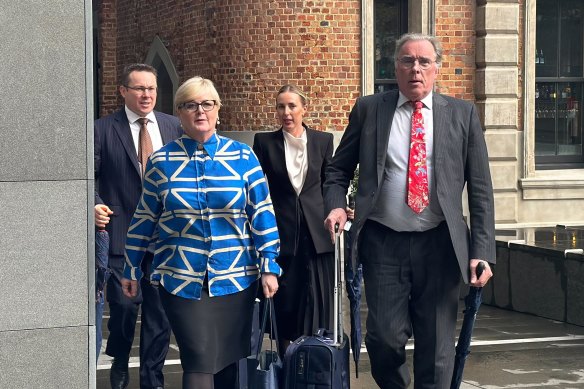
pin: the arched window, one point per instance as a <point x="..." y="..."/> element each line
<point x="159" y="58"/>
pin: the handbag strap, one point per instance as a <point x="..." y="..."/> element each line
<point x="269" y="310"/>
<point x="274" y="327"/>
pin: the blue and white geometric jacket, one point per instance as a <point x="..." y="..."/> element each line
<point x="210" y="209"/>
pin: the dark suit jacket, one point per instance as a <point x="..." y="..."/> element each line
<point x="117" y="174"/>
<point x="460" y="157"/>
<point x="269" y="148"/>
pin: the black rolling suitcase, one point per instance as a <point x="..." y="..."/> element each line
<point x="322" y="360"/>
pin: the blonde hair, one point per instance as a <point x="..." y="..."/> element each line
<point x="195" y="86"/>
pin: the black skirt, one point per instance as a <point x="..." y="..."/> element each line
<point x="212" y="332"/>
<point x="304" y="301"/>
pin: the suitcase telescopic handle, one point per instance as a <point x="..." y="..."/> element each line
<point x="337" y="307"/>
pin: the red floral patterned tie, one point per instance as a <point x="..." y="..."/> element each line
<point x="417" y="170"/>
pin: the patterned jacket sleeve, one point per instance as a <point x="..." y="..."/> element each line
<point x="143" y="225"/>
<point x="262" y="218"/>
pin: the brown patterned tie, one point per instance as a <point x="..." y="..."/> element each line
<point x="144" y="143"/>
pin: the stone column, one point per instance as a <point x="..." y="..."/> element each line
<point x="497" y="98"/>
<point x="47" y="332"/>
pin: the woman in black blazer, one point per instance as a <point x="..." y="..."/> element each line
<point x="294" y="159"/>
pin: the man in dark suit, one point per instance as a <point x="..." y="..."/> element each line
<point x="414" y="244"/>
<point x="118" y="176"/>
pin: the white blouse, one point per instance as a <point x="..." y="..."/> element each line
<point x="296" y="159"/>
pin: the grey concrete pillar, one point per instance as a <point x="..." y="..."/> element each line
<point x="47" y="332"/>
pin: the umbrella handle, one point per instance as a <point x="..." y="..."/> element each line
<point x="480" y="268"/>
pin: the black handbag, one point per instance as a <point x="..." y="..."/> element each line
<point x="263" y="369"/>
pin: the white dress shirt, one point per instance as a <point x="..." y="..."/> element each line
<point x="391" y="208"/>
<point x="152" y="126"/>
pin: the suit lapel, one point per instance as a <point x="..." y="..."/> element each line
<point x="122" y="128"/>
<point x="312" y="147"/>
<point x="279" y="163"/>
<point x="440" y="116"/>
<point x="165" y="127"/>
<point x="385" y="110"/>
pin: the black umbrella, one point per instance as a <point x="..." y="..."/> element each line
<point x="472" y="302"/>
<point x="353" y="279"/>
<point x="101" y="262"/>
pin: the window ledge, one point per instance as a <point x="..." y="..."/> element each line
<point x="554" y="184"/>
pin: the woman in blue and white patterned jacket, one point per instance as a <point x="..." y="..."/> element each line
<point x="207" y="205"/>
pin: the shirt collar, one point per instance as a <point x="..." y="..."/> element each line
<point x="427" y="101"/>
<point x="211" y="145"/>
<point x="292" y="138"/>
<point x="132" y="116"/>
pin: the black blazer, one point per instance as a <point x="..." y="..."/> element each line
<point x="460" y="159"/>
<point x="117" y="173"/>
<point x="269" y="148"/>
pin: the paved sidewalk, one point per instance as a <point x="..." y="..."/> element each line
<point x="509" y="350"/>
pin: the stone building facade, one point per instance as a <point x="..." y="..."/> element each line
<point x="331" y="49"/>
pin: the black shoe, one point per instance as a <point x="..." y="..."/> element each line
<point x="119" y="376"/>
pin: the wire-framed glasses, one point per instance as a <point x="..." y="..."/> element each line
<point x="409" y="62"/>
<point x="142" y="89"/>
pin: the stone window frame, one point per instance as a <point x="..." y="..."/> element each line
<point x="540" y="184"/>
<point x="556" y="162"/>
<point x="420" y="19"/>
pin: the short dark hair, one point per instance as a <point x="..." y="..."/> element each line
<point x="136" y="67"/>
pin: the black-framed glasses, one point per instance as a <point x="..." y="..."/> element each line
<point x="142" y="89"/>
<point x="193" y="106"/>
<point x="409" y="62"/>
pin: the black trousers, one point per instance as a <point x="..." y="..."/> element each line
<point x="412" y="282"/>
<point x="154" y="330"/>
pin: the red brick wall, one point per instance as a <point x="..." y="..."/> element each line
<point x="107" y="54"/>
<point x="455" y="27"/>
<point x="251" y="48"/>
<point x="248" y="48"/>
<point x="127" y="29"/>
